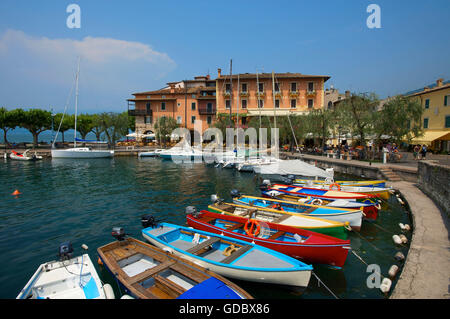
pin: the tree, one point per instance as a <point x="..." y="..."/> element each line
<point x="114" y="125"/>
<point x="36" y="121"/>
<point x="97" y="127"/>
<point x="400" y="118"/>
<point x="85" y="124"/>
<point x="164" y="127"/>
<point x="68" y="122"/>
<point x="320" y="123"/>
<point x="8" y="121"/>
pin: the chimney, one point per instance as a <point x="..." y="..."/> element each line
<point x="347" y="93"/>
<point x="208" y="77"/>
<point x="219" y="72"/>
<point x="439" y="82"/>
<point x="172" y="88"/>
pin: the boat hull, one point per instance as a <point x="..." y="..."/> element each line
<point x="74" y="153"/>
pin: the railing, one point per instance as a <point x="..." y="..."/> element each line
<point x="138" y="112"/>
<point x="204" y="110"/>
<point x="311" y="93"/>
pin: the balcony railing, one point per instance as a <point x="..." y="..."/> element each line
<point x="139" y="112"/>
<point x="311" y="93"/>
<point x="204" y="110"/>
<point x="293" y="93"/>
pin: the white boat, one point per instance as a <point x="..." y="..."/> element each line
<point x="78" y="152"/>
<point x="67" y="278"/>
<point x="180" y="154"/>
<point x="250" y="164"/>
<point x="153" y="153"/>
<point x="24" y="156"/>
<point x="292" y="167"/>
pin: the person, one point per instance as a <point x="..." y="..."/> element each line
<point x="424" y="151"/>
<point x="416" y="152"/>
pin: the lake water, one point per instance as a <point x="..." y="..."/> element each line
<point x="81" y="200"/>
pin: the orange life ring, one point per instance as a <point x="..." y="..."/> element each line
<point x="252" y="227"/>
<point x="335" y="184"/>
<point x="277" y="206"/>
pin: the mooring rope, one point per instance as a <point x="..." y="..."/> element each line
<point x="362" y="260"/>
<point x="320" y="281"/>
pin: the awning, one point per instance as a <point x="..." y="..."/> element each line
<point x="430" y="136"/>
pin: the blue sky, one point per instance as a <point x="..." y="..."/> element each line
<point x="131" y="46"/>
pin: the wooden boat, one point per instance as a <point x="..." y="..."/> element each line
<point x="308" y="246"/>
<point x="66" y="278"/>
<point x="353" y="216"/>
<point x="24" y="156"/>
<point x="372" y="183"/>
<point x="319" y="225"/>
<point x="147" y="272"/>
<point x="230" y="257"/>
<point x="317" y="193"/>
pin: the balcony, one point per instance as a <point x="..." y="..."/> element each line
<point x="227" y="94"/>
<point x="293" y="94"/>
<point x="260" y="95"/>
<point x="277" y="93"/>
<point x="139" y="112"/>
<point x="311" y="93"/>
<point x="204" y="110"/>
<point x="243" y="94"/>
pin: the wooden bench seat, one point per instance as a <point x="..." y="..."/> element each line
<point x="277" y="234"/>
<point x="236" y="254"/>
<point x="150" y="272"/>
<point x="202" y="245"/>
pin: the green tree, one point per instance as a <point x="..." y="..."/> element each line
<point x="8" y="120"/>
<point x="97" y="127"/>
<point x="114" y="125"/>
<point x="68" y="122"/>
<point x="85" y="124"/>
<point x="36" y="121"/>
<point x="164" y="127"/>
<point x="320" y="123"/>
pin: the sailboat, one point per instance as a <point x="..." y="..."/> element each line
<point x="78" y="152"/>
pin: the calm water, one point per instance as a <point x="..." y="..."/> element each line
<point x="81" y="200"/>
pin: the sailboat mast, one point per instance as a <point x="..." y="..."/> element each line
<point x="273" y="94"/>
<point x="257" y="98"/>
<point x="231" y="88"/>
<point x="76" y="105"/>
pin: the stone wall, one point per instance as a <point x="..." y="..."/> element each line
<point x="434" y="180"/>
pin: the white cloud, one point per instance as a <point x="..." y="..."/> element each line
<point x="109" y="67"/>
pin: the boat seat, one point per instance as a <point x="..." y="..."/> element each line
<point x="208" y="219"/>
<point x="194" y="250"/>
<point x="309" y="210"/>
<point x="234" y="227"/>
<point x="150" y="272"/>
<point x="280" y="219"/>
<point x="236" y="254"/>
<point x="277" y="234"/>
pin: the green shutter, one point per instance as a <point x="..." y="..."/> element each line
<point x="447" y="121"/>
<point x="427" y="103"/>
<point x="445" y="100"/>
<point x="425" y="123"/>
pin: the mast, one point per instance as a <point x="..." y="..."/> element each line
<point x="237" y="103"/>
<point x="257" y="98"/>
<point x="273" y="94"/>
<point x="231" y="87"/>
<point x="76" y="105"/>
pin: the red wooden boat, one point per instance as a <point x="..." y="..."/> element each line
<point x="308" y="246"/>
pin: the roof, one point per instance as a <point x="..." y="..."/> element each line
<point x="430" y="136"/>
<point x="175" y="91"/>
<point x="431" y="88"/>
<point x="287" y="75"/>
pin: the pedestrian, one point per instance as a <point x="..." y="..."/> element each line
<point x="416" y="152"/>
<point x="424" y="151"/>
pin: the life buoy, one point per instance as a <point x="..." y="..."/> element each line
<point x="252" y="227"/>
<point x="277" y="206"/>
<point x="317" y="201"/>
<point x="335" y="184"/>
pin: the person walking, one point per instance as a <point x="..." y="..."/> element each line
<point x="424" y="151"/>
<point x="416" y="152"/>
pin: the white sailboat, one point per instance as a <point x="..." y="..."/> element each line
<point x="78" y="152"/>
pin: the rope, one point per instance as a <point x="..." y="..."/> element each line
<point x="362" y="260"/>
<point x="320" y="281"/>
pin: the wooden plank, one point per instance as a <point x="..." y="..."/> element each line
<point x="236" y="254"/>
<point x="208" y="219"/>
<point x="168" y="286"/>
<point x="190" y="272"/>
<point x="150" y="272"/>
<point x="309" y="210"/>
<point x="237" y="226"/>
<point x="280" y="219"/>
<point x="277" y="234"/>
<point x="202" y="245"/>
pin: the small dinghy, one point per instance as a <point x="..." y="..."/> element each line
<point x="353" y="216"/>
<point x="308" y="246"/>
<point x="147" y="272"/>
<point x="315" y="224"/>
<point x="67" y="278"/>
<point x="228" y="256"/>
<point x="373" y="183"/>
<point x="24" y="156"/>
<point x="153" y="153"/>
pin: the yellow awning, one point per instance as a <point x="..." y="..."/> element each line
<point x="430" y="136"/>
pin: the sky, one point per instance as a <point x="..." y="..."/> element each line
<point x="133" y="46"/>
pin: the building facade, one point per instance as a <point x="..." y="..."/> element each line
<point x="435" y="101"/>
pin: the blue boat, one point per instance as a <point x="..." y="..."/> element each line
<point x="229" y="257"/>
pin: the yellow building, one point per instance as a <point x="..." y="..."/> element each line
<point x="436" y="116"/>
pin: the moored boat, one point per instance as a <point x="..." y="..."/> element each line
<point x="371" y="183"/>
<point x="148" y="272"/>
<point x="319" y="225"/>
<point x="24" y="156"/>
<point x="228" y="256"/>
<point x="66" y="278"/>
<point x="305" y="245"/>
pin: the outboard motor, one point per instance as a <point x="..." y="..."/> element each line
<point x="214" y="198"/>
<point x="118" y="233"/>
<point x="265" y="185"/>
<point x="65" y="251"/>
<point x="235" y="193"/>
<point x="191" y="210"/>
<point x="149" y="221"/>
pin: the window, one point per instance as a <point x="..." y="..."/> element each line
<point x="178" y="119"/>
<point x="330" y="104"/>
<point x="425" y="123"/>
<point x="163" y="96"/>
<point x="193" y="106"/>
<point x="310" y="103"/>
<point x="447" y="121"/>
<point x="178" y="104"/>
<point x="193" y="96"/>
<point x="260" y="104"/>
<point x="244" y="88"/>
<point x="277" y="87"/>
<point x="293" y="87"/>
<point x="148" y="120"/>
<point x="163" y="106"/>
<point x="277" y="104"/>
<point x="148" y="106"/>
<point x="293" y="103"/>
<point x="260" y="87"/>
<point x="209" y="120"/>
<point x="310" y="86"/>
<point x="228" y="88"/>
<point x="227" y="104"/>
<point x="209" y="107"/>
<point x="427" y="103"/>
<point x="244" y="104"/>
<point x="192" y="119"/>
<point x="446" y="100"/>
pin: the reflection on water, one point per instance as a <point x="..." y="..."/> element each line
<point x="81" y="200"/>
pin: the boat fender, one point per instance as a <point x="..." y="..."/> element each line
<point x="317" y="201"/>
<point x="298" y="238"/>
<point x="109" y="292"/>
<point x="393" y="271"/>
<point x="214" y="198"/>
<point x="126" y="297"/>
<point x="403" y="239"/>
<point x="385" y="285"/>
<point x="168" y="250"/>
<point x="405" y="227"/>
<point x="99" y="261"/>
<point x="85" y="247"/>
<point x="397" y="239"/>
<point x="399" y="256"/>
